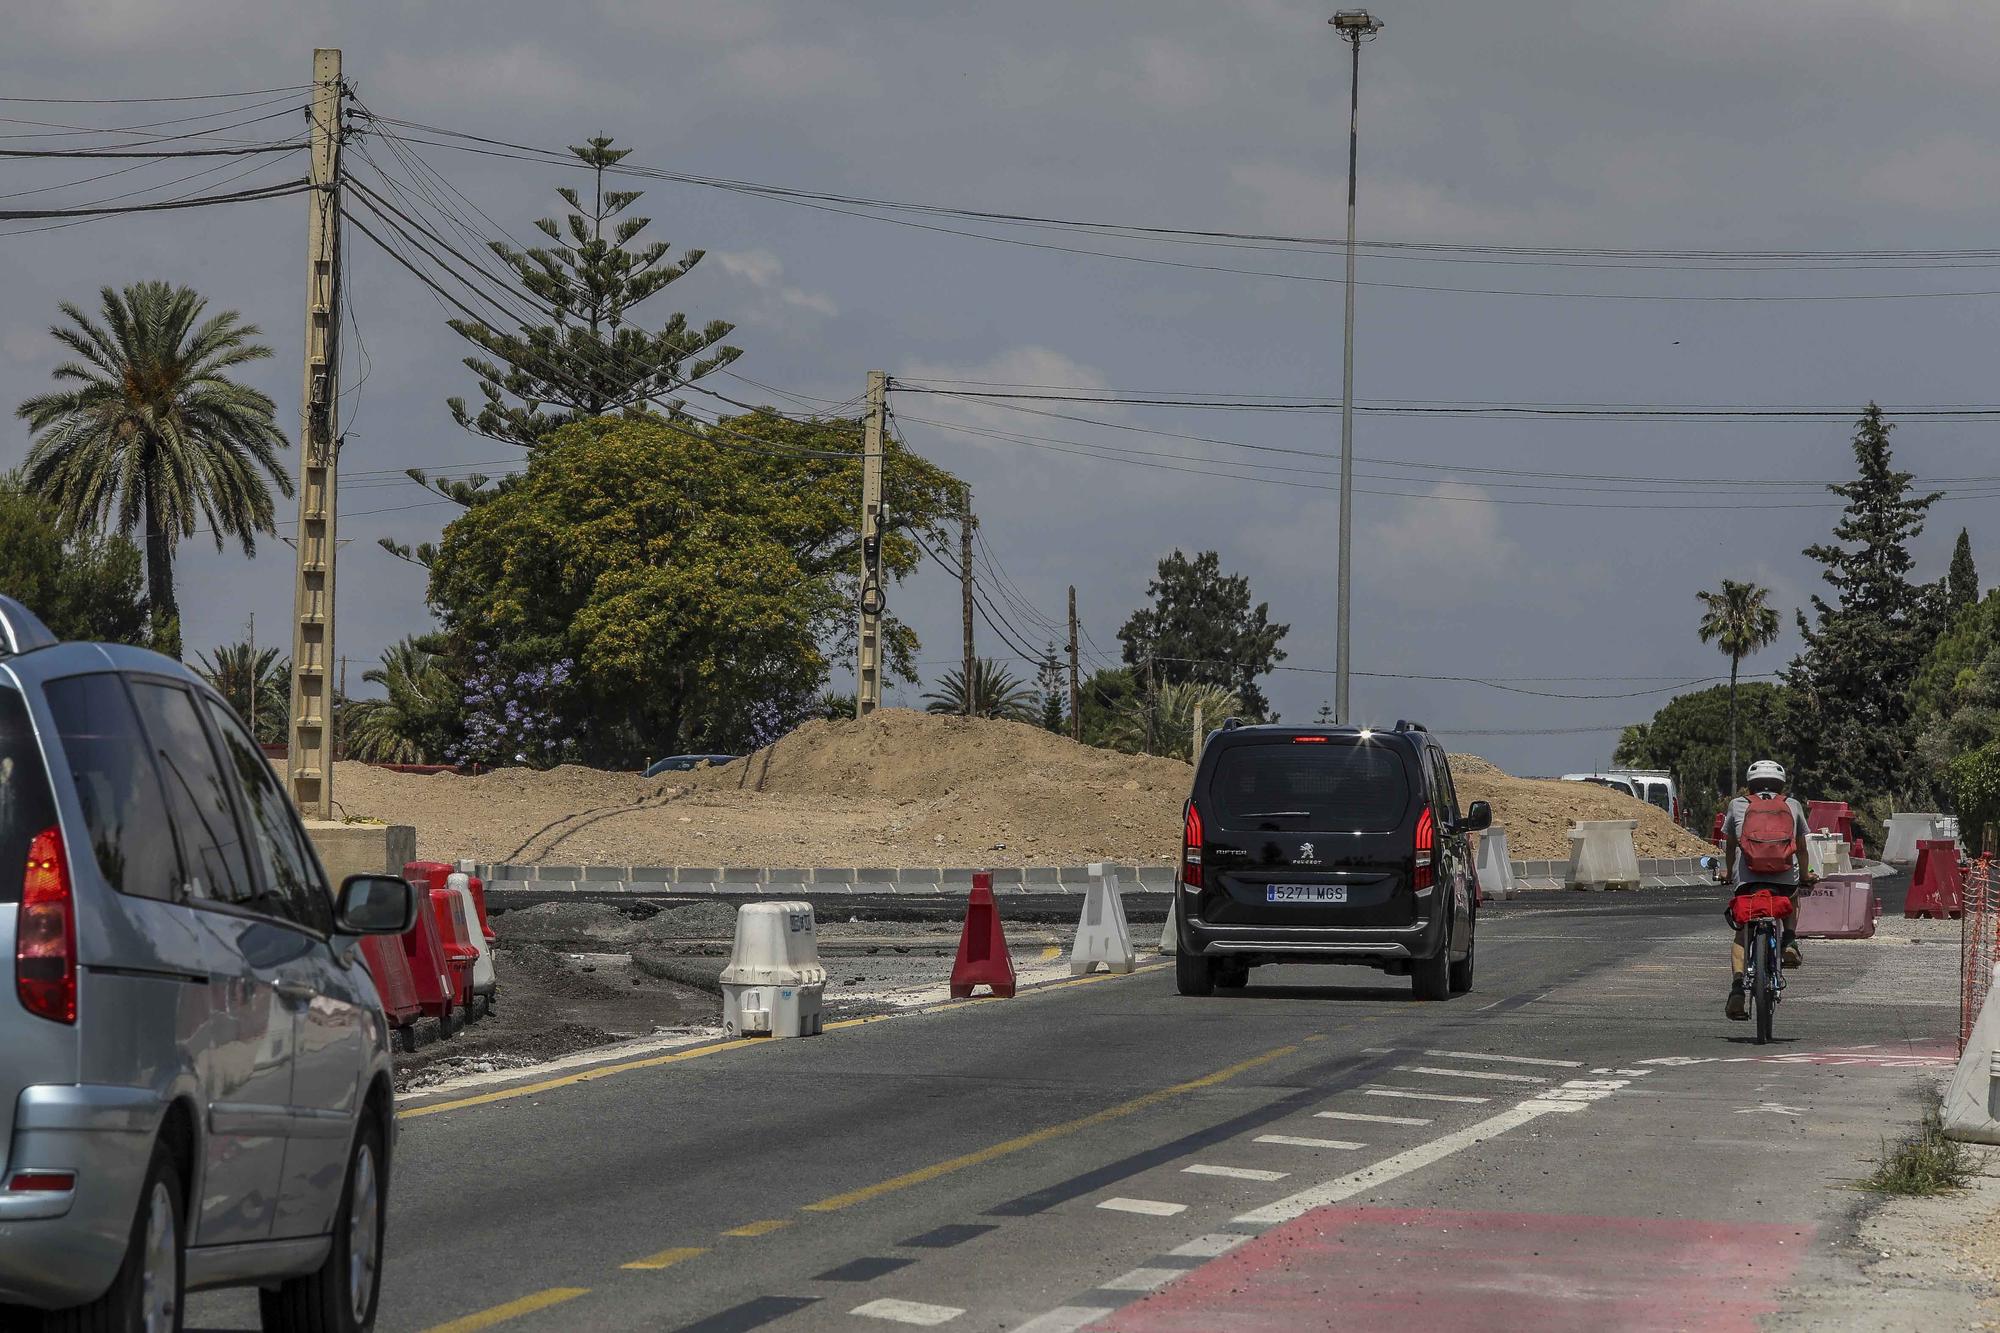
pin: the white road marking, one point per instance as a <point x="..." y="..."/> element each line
<point x="1411" y="1094"/>
<point x="1234" y="1172"/>
<point x="1210" y="1246"/>
<point x="1372" y="1119"/>
<point x="1143" y="1279"/>
<point x="1296" y="1141"/>
<point x="908" y="1312"/>
<point x="1485" y="1075"/>
<point x="1064" y="1319"/>
<point x="1368" y="1177"/>
<point x="1507" y="1059"/>
<point x="1147" y="1207"/>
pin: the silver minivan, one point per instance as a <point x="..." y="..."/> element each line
<point x="194" y="1066"/>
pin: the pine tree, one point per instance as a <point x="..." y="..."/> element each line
<point x="1055" y="692"/>
<point x="1961" y="586"/>
<point x="1848" y="707"/>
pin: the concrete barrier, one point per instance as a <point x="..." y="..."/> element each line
<point x="818" y="881"/>
<point x="1902" y="834"/>
<point x="1972" y="1101"/>
<point x="1602" y="855"/>
<point x="1170" y="940"/>
<point x="1102" y="935"/>
<point x="1828" y="854"/>
<point x="1493" y="865"/>
<point x="774" y="984"/>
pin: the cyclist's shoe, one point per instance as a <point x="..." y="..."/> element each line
<point x="1738" y="1007"/>
<point x="1792" y="957"/>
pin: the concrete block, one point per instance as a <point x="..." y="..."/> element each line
<point x="653" y="874"/>
<point x="684" y="885"/>
<point x="954" y="875"/>
<point x="696" y="874"/>
<point x="606" y="874"/>
<point x="1007" y="876"/>
<point x="1048" y="876"/>
<point x="571" y="873"/>
<point x="928" y="875"/>
<point x="508" y="870"/>
<point x="833" y="875"/>
<point x="742" y="875"/>
<point x="1102" y="935"/>
<point x="1155" y="879"/>
<point x="361" y="849"/>
<point x="877" y="875"/>
<point x="1602" y="855"/>
<point x="1902" y="834"/>
<point x="787" y="875"/>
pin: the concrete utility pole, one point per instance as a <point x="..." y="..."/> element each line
<point x="1357" y="26"/>
<point x="1075" y="718"/>
<point x="868" y="670"/>
<point x="965" y="525"/>
<point x="310" y="762"/>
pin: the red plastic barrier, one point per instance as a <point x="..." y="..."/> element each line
<point x="982" y="959"/>
<point x="1839" y="907"/>
<point x="430" y="969"/>
<point x="1828" y="817"/>
<point x="1715" y="834"/>
<point x="427" y="874"/>
<point x="459" y="952"/>
<point x="1937" y="888"/>
<point x="393" y="982"/>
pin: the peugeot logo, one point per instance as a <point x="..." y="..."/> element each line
<point x="1306" y="851"/>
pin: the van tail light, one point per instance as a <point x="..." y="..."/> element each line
<point x="1426" y="872"/>
<point x="1191" y="848"/>
<point x="42" y="1182"/>
<point x="45" y="933"/>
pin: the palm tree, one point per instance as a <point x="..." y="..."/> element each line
<point x="395" y="729"/>
<point x="146" y="431"/>
<point x="1737" y="621"/>
<point x="1167" y="717"/>
<point x="235" y="670"/>
<point x="996" y="693"/>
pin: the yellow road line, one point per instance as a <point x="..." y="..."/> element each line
<point x="666" y="1258"/>
<point x="763" y="1228"/>
<point x="1041" y="1136"/>
<point x="499" y="1314"/>
<point x="697" y="1052"/>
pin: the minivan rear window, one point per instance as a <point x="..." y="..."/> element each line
<point x="1325" y="787"/>
<point x="26" y="805"/>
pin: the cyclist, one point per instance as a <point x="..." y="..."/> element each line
<point x="1762" y="859"/>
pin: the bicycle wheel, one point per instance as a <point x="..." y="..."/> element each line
<point x="1763" y="993"/>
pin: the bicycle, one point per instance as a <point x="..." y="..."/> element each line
<point x="1759" y="916"/>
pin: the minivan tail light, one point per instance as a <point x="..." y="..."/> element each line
<point x="45" y="933"/>
<point x="1426" y="871"/>
<point x="1191" y="848"/>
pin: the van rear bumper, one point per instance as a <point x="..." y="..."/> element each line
<point x="63" y="1248"/>
<point x="1278" y="942"/>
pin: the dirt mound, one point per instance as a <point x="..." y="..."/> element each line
<point x="1537" y="812"/>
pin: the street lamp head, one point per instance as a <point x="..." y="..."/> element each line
<point x="1356" y="23"/>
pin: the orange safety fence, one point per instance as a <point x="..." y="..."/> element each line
<point x="1979" y="943"/>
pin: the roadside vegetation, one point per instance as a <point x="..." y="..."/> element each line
<point x="1924" y="1162"/>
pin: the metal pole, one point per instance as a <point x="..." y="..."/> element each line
<point x="1344" y="620"/>
<point x="868" y="667"/>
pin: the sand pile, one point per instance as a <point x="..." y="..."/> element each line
<point x="1537" y="812"/>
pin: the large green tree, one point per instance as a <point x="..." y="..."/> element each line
<point x="589" y="359"/>
<point x="1961" y="584"/>
<point x="1692" y="738"/>
<point x="241" y="674"/>
<point x="1738" y="619"/>
<point x="80" y="585"/>
<point x="1102" y="699"/>
<point x="994" y="692"/>
<point x="700" y="579"/>
<point x="1848" y="699"/>
<point x="416" y="718"/>
<point x="148" y="432"/>
<point x="1202" y="627"/>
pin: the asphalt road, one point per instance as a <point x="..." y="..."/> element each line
<point x="1582" y="1141"/>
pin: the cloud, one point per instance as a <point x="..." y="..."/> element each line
<point x="525" y="74"/>
<point x="782" y="71"/>
<point x="766" y="272"/>
<point x="1451" y="539"/>
<point x="1017" y="366"/>
<point x="1169" y="75"/>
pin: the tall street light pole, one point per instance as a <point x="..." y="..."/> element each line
<point x="1357" y="26"/>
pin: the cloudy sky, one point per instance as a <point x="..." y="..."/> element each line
<point x="1790" y="125"/>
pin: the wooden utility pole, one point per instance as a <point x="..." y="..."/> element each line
<point x="1075" y="718"/>
<point x="965" y="525"/>
<point x="309" y="763"/>
<point x="868" y="669"/>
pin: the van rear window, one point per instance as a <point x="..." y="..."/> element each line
<point x="26" y="805"/>
<point x="1332" y="787"/>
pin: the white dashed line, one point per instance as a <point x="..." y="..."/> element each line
<point x="1143" y="1279"/>
<point x="1372" y="1119"/>
<point x="1235" y="1172"/>
<point x="1507" y="1059"/>
<point x="1484" y="1075"/>
<point x="1295" y="1141"/>
<point x="1411" y="1094"/>
<point x="1214" y="1244"/>
<point x="1064" y="1319"/>
<point x="908" y="1312"/>
<point x="1146" y="1207"/>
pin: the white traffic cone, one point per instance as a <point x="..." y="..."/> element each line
<point x="1101" y="933"/>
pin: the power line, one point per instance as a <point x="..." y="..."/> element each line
<point x="201" y="201"/>
<point x="133" y="101"/>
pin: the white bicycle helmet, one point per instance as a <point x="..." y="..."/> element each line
<point x="1765" y="772"/>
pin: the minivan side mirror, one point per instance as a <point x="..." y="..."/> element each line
<point x="1478" y="815"/>
<point x="375" y="905"/>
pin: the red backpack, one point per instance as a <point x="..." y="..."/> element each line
<point x="1769" y="836"/>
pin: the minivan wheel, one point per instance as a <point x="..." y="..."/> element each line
<point x="1192" y="974"/>
<point x="1430" y="978"/>
<point x="147" y="1293"/>
<point x="341" y="1296"/>
<point x="1461" y="971"/>
<point x="1234" y="977"/>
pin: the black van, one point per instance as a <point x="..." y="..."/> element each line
<point x="1326" y="845"/>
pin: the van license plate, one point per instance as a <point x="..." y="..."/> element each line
<point x="1305" y="893"/>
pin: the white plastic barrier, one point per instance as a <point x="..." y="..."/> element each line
<point x="774" y="984"/>
<point x="468" y="925"/>
<point x="1602" y="855"/>
<point x="1828" y="854"/>
<point x="1972" y="1102"/>
<point x="1169" y="938"/>
<point x="1101" y="933"/>
<point x="1495" y="864"/>
<point x="1902" y="834"/>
